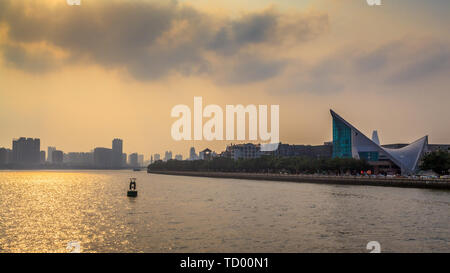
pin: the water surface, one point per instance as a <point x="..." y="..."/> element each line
<point x="41" y="211"/>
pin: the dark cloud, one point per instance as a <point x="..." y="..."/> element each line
<point x="253" y="69"/>
<point x="149" y="39"/>
<point x="34" y="63"/>
<point x="395" y="66"/>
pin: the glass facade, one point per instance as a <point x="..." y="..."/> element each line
<point x="369" y="156"/>
<point x="342" y="139"/>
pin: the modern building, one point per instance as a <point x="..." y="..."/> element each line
<point x="5" y="156"/>
<point x="103" y="158"/>
<point x="156" y="157"/>
<point x="140" y="160"/>
<point x="178" y="157"/>
<point x="57" y="157"/>
<point x="133" y="160"/>
<point x="42" y="157"/>
<point x="50" y="153"/>
<point x="26" y="150"/>
<point x="79" y="159"/>
<point x="117" y="151"/>
<point x="349" y="142"/>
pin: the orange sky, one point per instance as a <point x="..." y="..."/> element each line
<point x="77" y="77"/>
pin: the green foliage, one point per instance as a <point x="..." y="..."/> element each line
<point x="270" y="164"/>
<point x="438" y="161"/>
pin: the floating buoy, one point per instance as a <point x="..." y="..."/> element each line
<point x="132" y="192"/>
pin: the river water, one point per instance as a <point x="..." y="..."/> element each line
<point x="42" y="211"/>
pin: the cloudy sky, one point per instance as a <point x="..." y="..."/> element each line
<point x="78" y="76"/>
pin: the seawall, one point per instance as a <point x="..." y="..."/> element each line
<point x="322" y="179"/>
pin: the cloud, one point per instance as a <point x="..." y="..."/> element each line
<point x="398" y="66"/>
<point x="151" y="39"/>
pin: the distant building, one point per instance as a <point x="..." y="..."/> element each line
<point x="42" y="157"/>
<point x="206" y="154"/>
<point x="50" y="153"/>
<point x="438" y="147"/>
<point x="117" y="151"/>
<point x="57" y="157"/>
<point x="5" y="156"/>
<point x="26" y="150"/>
<point x="140" y="160"/>
<point x="103" y="158"/>
<point x="192" y="154"/>
<point x="242" y="151"/>
<point x="178" y="157"/>
<point x="157" y="157"/>
<point x="124" y="160"/>
<point x="168" y="155"/>
<point x="133" y="160"/>
<point x="79" y="159"/>
<point x="311" y="151"/>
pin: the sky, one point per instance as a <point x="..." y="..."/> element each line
<point x="78" y="76"/>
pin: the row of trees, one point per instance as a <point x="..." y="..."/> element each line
<point x="293" y="165"/>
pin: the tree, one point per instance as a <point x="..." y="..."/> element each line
<point x="438" y="161"/>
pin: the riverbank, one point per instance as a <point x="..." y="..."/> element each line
<point x="322" y="179"/>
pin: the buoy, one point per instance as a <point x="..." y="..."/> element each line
<point x="132" y="192"/>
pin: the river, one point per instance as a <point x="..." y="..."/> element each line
<point x="42" y="211"/>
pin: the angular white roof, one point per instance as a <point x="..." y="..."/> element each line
<point x="406" y="158"/>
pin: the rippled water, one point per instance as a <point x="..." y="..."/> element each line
<point x="41" y="211"/>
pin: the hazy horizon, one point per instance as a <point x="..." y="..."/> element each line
<point x="78" y="76"/>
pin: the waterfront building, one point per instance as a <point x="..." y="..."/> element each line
<point x="50" y="153"/>
<point x="79" y="159"/>
<point x="5" y="156"/>
<point x="243" y="151"/>
<point x="42" y="157"/>
<point x="117" y="151"/>
<point x="311" y="151"/>
<point x="57" y="157"/>
<point x="26" y="150"/>
<point x="140" y="160"/>
<point x="349" y="142"/>
<point x="103" y="158"/>
<point x="133" y="160"/>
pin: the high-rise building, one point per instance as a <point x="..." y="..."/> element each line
<point x="192" y="154"/>
<point x="124" y="159"/>
<point x="117" y="151"/>
<point x="26" y="150"/>
<point x="79" y="159"/>
<point x="57" y="157"/>
<point x="168" y="155"/>
<point x="103" y="158"/>
<point x="42" y="157"/>
<point x="5" y="156"/>
<point x="50" y="153"/>
<point x="178" y="157"/>
<point x="133" y="160"/>
<point x="140" y="160"/>
<point x="157" y="157"/>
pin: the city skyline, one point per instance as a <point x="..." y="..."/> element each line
<point x="72" y="91"/>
